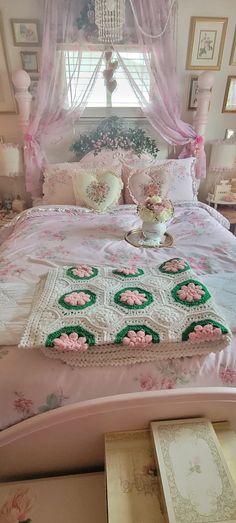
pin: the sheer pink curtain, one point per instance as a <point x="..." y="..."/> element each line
<point x="155" y="23"/>
<point x="59" y="101"/>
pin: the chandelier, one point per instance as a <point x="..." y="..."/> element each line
<point x="110" y="18"/>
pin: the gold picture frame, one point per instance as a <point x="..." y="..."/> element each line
<point x="25" y="32"/>
<point x="193" y="90"/>
<point x="232" y="60"/>
<point x="229" y="103"/>
<point x="206" y="43"/>
<point x="7" y="98"/>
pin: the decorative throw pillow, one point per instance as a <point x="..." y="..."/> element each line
<point x="99" y="190"/>
<point x="176" y="179"/>
<point x="145" y="180"/>
<point x="57" y="186"/>
<point x="105" y="159"/>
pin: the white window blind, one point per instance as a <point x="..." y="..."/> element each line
<point x="78" y="75"/>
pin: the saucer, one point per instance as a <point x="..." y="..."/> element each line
<point x="137" y="239"/>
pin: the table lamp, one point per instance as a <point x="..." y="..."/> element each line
<point x="11" y="163"/>
<point x="11" y="167"/>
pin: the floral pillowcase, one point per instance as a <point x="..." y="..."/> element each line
<point x="172" y="178"/>
<point x="98" y="189"/>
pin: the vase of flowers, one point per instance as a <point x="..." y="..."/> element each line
<point x="155" y="213"/>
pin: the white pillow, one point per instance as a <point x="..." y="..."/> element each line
<point x="57" y="186"/>
<point x="99" y="189"/>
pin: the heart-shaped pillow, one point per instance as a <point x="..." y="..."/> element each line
<point x="99" y="190"/>
<point x="146" y="181"/>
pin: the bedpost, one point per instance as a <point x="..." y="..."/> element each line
<point x="21" y="81"/>
<point x="205" y="83"/>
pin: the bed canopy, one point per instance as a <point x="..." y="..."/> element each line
<point x="69" y="25"/>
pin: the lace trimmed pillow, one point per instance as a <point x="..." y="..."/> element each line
<point x="98" y="316"/>
<point x="99" y="189"/>
<point x="172" y="178"/>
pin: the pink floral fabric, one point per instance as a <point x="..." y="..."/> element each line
<point x="17" y="507"/>
<point x="71" y="342"/>
<point x="228" y="376"/>
<point x="42" y="238"/>
<point x="205" y="333"/>
<point x="191" y="292"/>
<point x="77" y="298"/>
<point x="134" y="339"/>
<point x="133" y="297"/>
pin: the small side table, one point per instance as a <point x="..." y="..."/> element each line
<point x="230" y="214"/>
<point x="227" y="209"/>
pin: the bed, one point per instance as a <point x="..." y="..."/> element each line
<point x="43" y="398"/>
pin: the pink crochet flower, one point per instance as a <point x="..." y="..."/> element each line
<point x="77" y="298"/>
<point x="127" y="270"/>
<point x="205" y="333"/>
<point x="73" y="342"/>
<point x="133" y="297"/>
<point x="191" y="292"/>
<point x="174" y="265"/>
<point x="82" y="271"/>
<point x="137" y="338"/>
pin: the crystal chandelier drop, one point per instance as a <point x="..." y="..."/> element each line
<point x="110" y="18"/>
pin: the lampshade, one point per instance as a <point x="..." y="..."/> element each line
<point x="223" y="156"/>
<point x="11" y="163"/>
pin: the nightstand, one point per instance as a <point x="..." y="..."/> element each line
<point x="227" y="209"/>
<point x="230" y="214"/>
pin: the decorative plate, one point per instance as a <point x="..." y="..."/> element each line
<point x="136" y="238"/>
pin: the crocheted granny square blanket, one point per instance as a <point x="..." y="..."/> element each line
<point x="96" y="316"/>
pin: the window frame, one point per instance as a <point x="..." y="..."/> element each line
<point x="96" y="113"/>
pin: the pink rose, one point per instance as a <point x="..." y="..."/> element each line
<point x="133" y="297"/>
<point x="134" y="339"/>
<point x="147" y="382"/>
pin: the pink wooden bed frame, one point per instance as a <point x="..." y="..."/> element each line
<point x="71" y="437"/>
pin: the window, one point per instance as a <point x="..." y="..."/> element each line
<point x="123" y="96"/>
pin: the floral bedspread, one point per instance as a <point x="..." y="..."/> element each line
<point x="46" y="237"/>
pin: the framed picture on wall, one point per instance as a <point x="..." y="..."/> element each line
<point x="33" y="86"/>
<point x="25" y="32"/>
<point x="233" y="51"/>
<point x="30" y="61"/>
<point x="7" y="98"/>
<point x="193" y="90"/>
<point x="229" y="103"/>
<point x="206" y="42"/>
